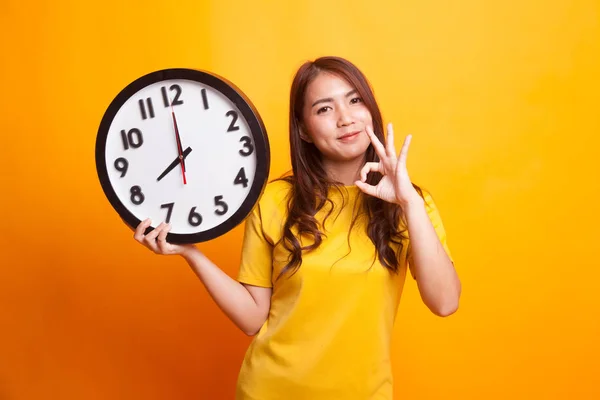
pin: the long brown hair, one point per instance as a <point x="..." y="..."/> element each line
<point x="310" y="183"/>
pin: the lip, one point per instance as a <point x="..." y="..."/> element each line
<point x="349" y="135"/>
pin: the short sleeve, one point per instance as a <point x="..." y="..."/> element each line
<point x="257" y="252"/>
<point x="436" y="221"/>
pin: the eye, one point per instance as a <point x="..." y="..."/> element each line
<point x="322" y="109"/>
<point x="356" y="100"/>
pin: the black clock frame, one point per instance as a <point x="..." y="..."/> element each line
<point x="244" y="105"/>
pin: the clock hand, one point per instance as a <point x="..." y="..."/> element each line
<point x="179" y="147"/>
<point x="174" y="163"/>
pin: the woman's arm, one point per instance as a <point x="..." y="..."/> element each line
<point x="436" y="277"/>
<point x="247" y="306"/>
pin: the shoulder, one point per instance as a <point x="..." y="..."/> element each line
<point x="276" y="194"/>
<point x="428" y="198"/>
<point x="271" y="210"/>
<point x="432" y="208"/>
<point x="272" y="207"/>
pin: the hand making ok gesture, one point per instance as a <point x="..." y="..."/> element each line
<point x="395" y="185"/>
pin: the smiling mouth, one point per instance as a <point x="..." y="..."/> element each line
<point x="349" y="135"/>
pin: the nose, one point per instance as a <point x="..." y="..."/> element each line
<point x="344" y="117"/>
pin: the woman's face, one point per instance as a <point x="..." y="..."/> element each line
<point x="335" y="118"/>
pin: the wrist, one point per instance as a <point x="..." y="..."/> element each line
<point x="411" y="202"/>
<point x="189" y="252"/>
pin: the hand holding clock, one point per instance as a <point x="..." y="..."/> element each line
<point x="156" y="239"/>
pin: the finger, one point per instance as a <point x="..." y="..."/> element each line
<point x="161" y="239"/>
<point x="154" y="233"/>
<point x="391" y="150"/>
<point x="404" y="152"/>
<point x="369" y="167"/>
<point x="379" y="149"/>
<point x="140" y="229"/>
<point x="150" y="238"/>
<point x="366" y="188"/>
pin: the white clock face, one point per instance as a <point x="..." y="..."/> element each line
<point x="181" y="151"/>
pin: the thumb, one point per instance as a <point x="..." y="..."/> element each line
<point x="366" y="188"/>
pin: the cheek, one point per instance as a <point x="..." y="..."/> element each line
<point x="321" y="128"/>
<point x="364" y="115"/>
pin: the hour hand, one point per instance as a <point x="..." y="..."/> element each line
<point x="174" y="163"/>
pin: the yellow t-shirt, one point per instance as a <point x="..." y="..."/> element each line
<point x="329" y="328"/>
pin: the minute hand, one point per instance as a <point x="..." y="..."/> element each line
<point x="174" y="163"/>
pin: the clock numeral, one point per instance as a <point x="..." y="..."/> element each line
<point x="143" y="108"/>
<point x="248" y="148"/>
<point x="241" y="179"/>
<point x="194" y="218"/>
<point x="204" y="99"/>
<point x="232" y="126"/>
<point x="132" y="138"/>
<point x="223" y="206"/>
<point x="121" y="165"/>
<point x="169" y="207"/>
<point x="165" y="97"/>
<point x="137" y="197"/>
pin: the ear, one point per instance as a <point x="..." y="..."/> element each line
<point x="304" y="136"/>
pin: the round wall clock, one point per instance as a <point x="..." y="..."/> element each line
<point x="186" y="147"/>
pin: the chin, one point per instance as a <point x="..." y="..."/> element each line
<point x="349" y="156"/>
<point x="354" y="153"/>
<point x="346" y="153"/>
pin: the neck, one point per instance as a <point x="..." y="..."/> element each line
<point x="345" y="172"/>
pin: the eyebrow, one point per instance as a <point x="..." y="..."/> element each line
<point x="329" y="99"/>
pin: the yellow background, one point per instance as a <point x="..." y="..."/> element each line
<point x="502" y="98"/>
